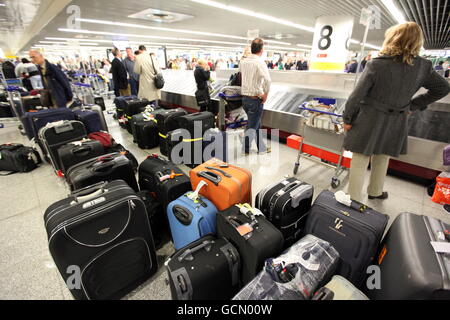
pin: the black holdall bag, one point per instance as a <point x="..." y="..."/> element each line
<point x="286" y="204"/>
<point x="18" y="158"/>
<point x="167" y="122"/>
<point x="102" y="231"/>
<point x="354" y="229"/>
<point x="207" y="269"/>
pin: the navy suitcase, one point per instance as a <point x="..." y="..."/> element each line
<point x="90" y="119"/>
<point x="34" y="121"/>
<point x="191" y="219"/>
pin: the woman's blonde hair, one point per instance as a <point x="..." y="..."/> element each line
<point x="403" y="41"/>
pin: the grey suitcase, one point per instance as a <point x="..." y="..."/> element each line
<point x="339" y="289"/>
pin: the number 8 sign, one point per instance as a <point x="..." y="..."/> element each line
<point x="330" y="52"/>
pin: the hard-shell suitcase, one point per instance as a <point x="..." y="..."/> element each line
<point x="167" y="122"/>
<point x="18" y="158"/>
<point x="55" y="135"/>
<point x="339" y="288"/>
<point x="410" y="267"/>
<point x="34" y="121"/>
<point x="113" y="166"/>
<point x="90" y="119"/>
<point x="296" y="274"/>
<point x="255" y="238"/>
<point x="286" y="204"/>
<point x="75" y="152"/>
<point x="163" y="178"/>
<point x="354" y="231"/>
<point x="98" y="109"/>
<point x="207" y="269"/>
<point x="191" y="217"/>
<point x="102" y="234"/>
<point x="197" y="123"/>
<point x="227" y="185"/>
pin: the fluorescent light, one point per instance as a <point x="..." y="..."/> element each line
<point x="2" y="5"/>
<point x="304" y="45"/>
<point x="254" y="14"/>
<point x="139" y="26"/>
<point x="63" y="43"/>
<point x="76" y="39"/>
<point x="394" y="11"/>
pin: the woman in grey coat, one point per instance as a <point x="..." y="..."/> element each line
<point x="376" y="113"/>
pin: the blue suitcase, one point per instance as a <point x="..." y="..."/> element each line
<point x="34" y="121"/>
<point x="191" y="220"/>
<point x="90" y="119"/>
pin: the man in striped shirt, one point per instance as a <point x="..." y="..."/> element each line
<point x="255" y="89"/>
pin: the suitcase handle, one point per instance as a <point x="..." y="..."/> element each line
<point x="103" y="168"/>
<point x="323" y="294"/>
<point x="188" y="254"/>
<point x="210" y="176"/>
<point x="291" y="186"/>
<point x="88" y="193"/>
<point x="83" y="149"/>
<point x="221" y="171"/>
<point x="183" y="216"/>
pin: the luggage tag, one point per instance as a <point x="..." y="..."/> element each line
<point x="195" y="197"/>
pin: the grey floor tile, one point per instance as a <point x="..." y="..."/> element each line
<point x="18" y="198"/>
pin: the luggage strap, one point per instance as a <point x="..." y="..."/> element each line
<point x="162" y="136"/>
<point x="194" y="196"/>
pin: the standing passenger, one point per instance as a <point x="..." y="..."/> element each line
<point x="147" y="67"/>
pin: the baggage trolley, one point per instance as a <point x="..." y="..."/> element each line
<point x="330" y="141"/>
<point x="233" y="101"/>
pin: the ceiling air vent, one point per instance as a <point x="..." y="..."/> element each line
<point x="156" y="15"/>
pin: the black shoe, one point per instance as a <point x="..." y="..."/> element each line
<point x="384" y="196"/>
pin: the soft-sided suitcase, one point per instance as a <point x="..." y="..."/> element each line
<point x="114" y="166"/>
<point x="255" y="238"/>
<point x="146" y="134"/>
<point x="447" y="156"/>
<point x="102" y="234"/>
<point x="34" y="121"/>
<point x="167" y="122"/>
<point x="410" y="267"/>
<point x="197" y="123"/>
<point x="75" y="152"/>
<point x="286" y="204"/>
<point x="227" y="185"/>
<point x="296" y="274"/>
<point x="339" y="288"/>
<point x="163" y="178"/>
<point x="18" y="158"/>
<point x="55" y="135"/>
<point x="116" y="147"/>
<point x="90" y="119"/>
<point x="354" y="231"/>
<point x="98" y="109"/>
<point x="120" y="107"/>
<point x="148" y="115"/>
<point x="207" y="269"/>
<point x="191" y="217"/>
<point x="133" y="107"/>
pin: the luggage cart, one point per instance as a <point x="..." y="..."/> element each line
<point x="233" y="101"/>
<point x="326" y="140"/>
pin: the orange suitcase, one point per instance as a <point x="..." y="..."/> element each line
<point x="227" y="185"/>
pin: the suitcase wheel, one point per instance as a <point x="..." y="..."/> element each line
<point x="182" y="283"/>
<point x="335" y="183"/>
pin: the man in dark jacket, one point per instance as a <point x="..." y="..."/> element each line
<point x="119" y="73"/>
<point x="57" y="93"/>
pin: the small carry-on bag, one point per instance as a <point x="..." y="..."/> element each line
<point x="286" y="205"/>
<point x="79" y="151"/>
<point x="296" y="274"/>
<point x="18" y="158"/>
<point x="414" y="260"/>
<point x="197" y="123"/>
<point x="113" y="166"/>
<point x="149" y="115"/>
<point x="167" y="122"/>
<point x="227" y="185"/>
<point x="56" y="134"/>
<point x="90" y="119"/>
<point x="103" y="232"/>
<point x="352" y="228"/>
<point x="255" y="238"/>
<point x="191" y="217"/>
<point x="146" y="134"/>
<point x="339" y="288"/>
<point x="163" y="178"/>
<point x="34" y="121"/>
<point x="207" y="269"/>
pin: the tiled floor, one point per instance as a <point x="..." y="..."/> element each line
<point x="26" y="267"/>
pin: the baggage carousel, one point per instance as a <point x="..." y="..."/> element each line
<point x="429" y="131"/>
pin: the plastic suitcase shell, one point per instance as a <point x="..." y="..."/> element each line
<point x="150" y="172"/>
<point x="98" y="109"/>
<point x="113" y="166"/>
<point x="205" y="120"/>
<point x="54" y="137"/>
<point x="227" y="185"/>
<point x="339" y="288"/>
<point x="410" y="267"/>
<point x="90" y="119"/>
<point x="168" y="120"/>
<point x="190" y="221"/>
<point x="286" y="204"/>
<point x="71" y="154"/>
<point x="355" y="233"/>
<point x="105" y="231"/>
<point x="207" y="269"/>
<point x="264" y="242"/>
<point x="34" y="121"/>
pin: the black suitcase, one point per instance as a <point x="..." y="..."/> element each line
<point x="167" y="122"/>
<point x="100" y="102"/>
<point x="286" y="204"/>
<point x="410" y="268"/>
<point x="207" y="269"/>
<point x="150" y="173"/>
<point x="113" y="166"/>
<point x="103" y="233"/>
<point x="355" y="232"/>
<point x="131" y="108"/>
<point x="78" y="151"/>
<point x="54" y="136"/>
<point x="5" y="110"/>
<point x="256" y="244"/>
<point x="120" y="107"/>
<point x="150" y="138"/>
<point x="18" y="158"/>
<point x="204" y="120"/>
<point x="184" y="150"/>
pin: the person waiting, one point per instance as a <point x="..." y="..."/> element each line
<point x="133" y="77"/>
<point x="119" y="73"/>
<point x="147" y="67"/>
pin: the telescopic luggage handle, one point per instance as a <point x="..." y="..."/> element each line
<point x="188" y="254"/>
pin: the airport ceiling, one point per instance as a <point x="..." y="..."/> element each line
<point x="24" y="23"/>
